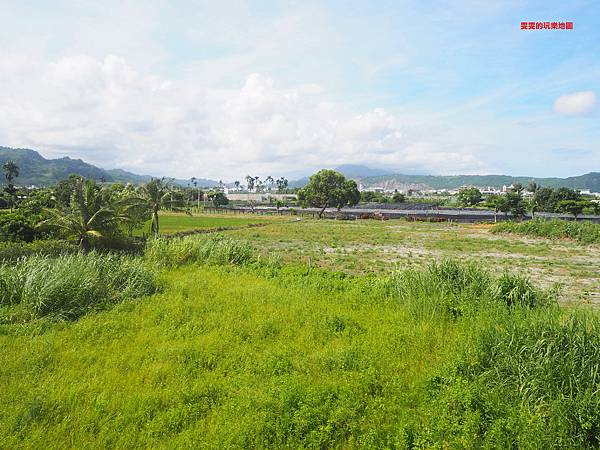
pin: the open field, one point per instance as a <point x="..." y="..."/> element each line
<point x="365" y="246"/>
<point x="304" y="334"/>
<point x="222" y="359"/>
<point x="260" y="355"/>
<point x="584" y="232"/>
<point x="177" y="222"/>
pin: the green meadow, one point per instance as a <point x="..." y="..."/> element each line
<point x="178" y="222"/>
<point x="305" y="334"/>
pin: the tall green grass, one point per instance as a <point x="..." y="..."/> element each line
<point x="225" y="358"/>
<point x="13" y="251"/>
<point x="212" y="249"/>
<point x="246" y="357"/>
<point x="252" y="353"/>
<point x="582" y="231"/>
<point x="527" y="380"/>
<point x="68" y="286"/>
<point x="452" y="289"/>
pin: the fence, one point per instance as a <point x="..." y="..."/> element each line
<point x="432" y="215"/>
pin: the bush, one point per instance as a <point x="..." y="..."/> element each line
<point x="452" y="289"/>
<point x="527" y="381"/>
<point x="16" y="227"/>
<point x="69" y="286"/>
<point x="514" y="290"/>
<point x="121" y="244"/>
<point x="11" y="285"/>
<point x="199" y="249"/>
<point x="13" y="251"/>
<point x="584" y="232"/>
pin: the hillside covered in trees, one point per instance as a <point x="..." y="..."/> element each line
<point x="39" y="171"/>
<point x="589" y="181"/>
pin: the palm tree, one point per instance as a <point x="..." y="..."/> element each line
<point x="155" y="196"/>
<point x="91" y="216"/>
<point x="282" y="184"/>
<point x="11" y="171"/>
<point x="269" y="182"/>
<point x="258" y="185"/>
<point x="250" y="183"/>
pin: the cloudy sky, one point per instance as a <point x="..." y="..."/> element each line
<point x="223" y="89"/>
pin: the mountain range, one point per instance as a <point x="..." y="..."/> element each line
<point x="39" y="171"/>
<point x="589" y="181"/>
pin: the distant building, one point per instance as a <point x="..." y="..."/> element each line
<point x="259" y="197"/>
<point x="490" y="190"/>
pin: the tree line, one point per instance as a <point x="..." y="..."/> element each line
<point x="541" y="199"/>
<point x="97" y="214"/>
<point x="93" y="213"/>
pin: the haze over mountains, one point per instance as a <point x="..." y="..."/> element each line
<point x="39" y="171"/>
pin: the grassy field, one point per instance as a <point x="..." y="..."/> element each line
<point x="366" y="246"/>
<point x="174" y="223"/>
<point x="306" y="334"/>
<point x="582" y="231"/>
<point x="214" y="362"/>
<point x="381" y="246"/>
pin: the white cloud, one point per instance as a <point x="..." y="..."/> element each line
<point x="106" y="112"/>
<point x="576" y="104"/>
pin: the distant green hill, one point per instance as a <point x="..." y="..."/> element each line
<point x="39" y="171"/>
<point x="35" y="169"/>
<point x="589" y="181"/>
<point x="365" y="177"/>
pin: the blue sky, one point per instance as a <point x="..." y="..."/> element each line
<point x="222" y="89"/>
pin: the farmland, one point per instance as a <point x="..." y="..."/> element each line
<point x="177" y="223"/>
<point x="299" y="225"/>
<point x="306" y="333"/>
<point x="366" y="246"/>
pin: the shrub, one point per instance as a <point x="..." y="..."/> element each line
<point x="452" y="288"/>
<point x="445" y="288"/>
<point x="68" y="286"/>
<point x="11" y="285"/>
<point x="199" y="249"/>
<point x="584" y="232"/>
<point x="518" y="290"/>
<point x="16" y="227"/>
<point x="121" y="244"/>
<point x="13" y="251"/>
<point x="531" y="380"/>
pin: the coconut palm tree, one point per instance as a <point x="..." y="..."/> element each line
<point x="269" y="182"/>
<point x="92" y="214"/>
<point x="155" y="196"/>
<point x="11" y="171"/>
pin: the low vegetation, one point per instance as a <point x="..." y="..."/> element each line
<point x="299" y="334"/>
<point x="11" y="252"/>
<point x="251" y="353"/>
<point x="171" y="223"/>
<point x="452" y="289"/>
<point x="68" y="286"/>
<point x="209" y="249"/>
<point x="528" y="379"/>
<point x="584" y="232"/>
